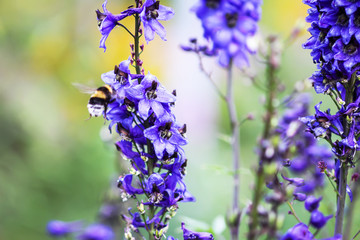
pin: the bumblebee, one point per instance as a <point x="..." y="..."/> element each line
<point x="99" y="100"/>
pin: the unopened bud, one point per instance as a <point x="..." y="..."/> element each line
<point x="340" y="101"/>
<point x="141" y="208"/>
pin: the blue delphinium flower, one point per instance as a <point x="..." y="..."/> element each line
<point x="119" y="79"/>
<point x="97" y="232"/>
<point x="318" y="220"/>
<point x="58" y="228"/>
<point x="106" y="22"/>
<point x="151" y="12"/>
<point x="150" y="15"/>
<point x="166" y="137"/>
<point x="230" y="25"/>
<point x="151" y="95"/>
<point x="298" y="232"/>
<point x="191" y="235"/>
<point x="312" y="203"/>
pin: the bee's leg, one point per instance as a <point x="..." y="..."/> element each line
<point x="88" y="118"/>
<point x="105" y="109"/>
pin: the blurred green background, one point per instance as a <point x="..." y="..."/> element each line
<point x="56" y="165"/>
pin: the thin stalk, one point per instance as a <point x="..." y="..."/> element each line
<point x="208" y="75"/>
<point x="351" y="209"/>
<point x="293" y="211"/>
<point x="344" y="167"/>
<point x="235" y="145"/>
<point x="260" y="175"/>
<point x="332" y="184"/>
<point x="126" y="29"/>
<point x="356" y="235"/>
<point x="150" y="163"/>
<point x="136" y="42"/>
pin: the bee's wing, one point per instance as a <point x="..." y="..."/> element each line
<point x="84" y="88"/>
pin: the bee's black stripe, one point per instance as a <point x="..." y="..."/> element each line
<point x="97" y="101"/>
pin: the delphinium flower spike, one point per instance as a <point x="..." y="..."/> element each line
<point x="139" y="111"/>
<point x="229" y="27"/>
<point x="334" y="45"/>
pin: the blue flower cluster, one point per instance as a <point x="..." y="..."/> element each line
<point x="317" y="220"/>
<point x="291" y="148"/>
<point x="298" y="150"/>
<point x="152" y="140"/>
<point x="230" y="25"/>
<point x="334" y="41"/>
<point x="335" y="48"/>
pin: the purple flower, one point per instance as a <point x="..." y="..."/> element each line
<point x="334" y="40"/>
<point x="97" y="232"/>
<point x="312" y="203"/>
<point x="119" y="79"/>
<point x="106" y="22"/>
<point x="298" y="232"/>
<point x="151" y="95"/>
<point x="322" y="122"/>
<point x="300" y="196"/>
<point x="191" y="235"/>
<point x="150" y="15"/>
<point x="298" y="182"/>
<point x="347" y="54"/>
<point x="350" y="5"/>
<point x="318" y="220"/>
<point x="165" y="137"/>
<point x="125" y="184"/>
<point x="58" y="228"/>
<point x="230" y="25"/>
<point x="117" y="113"/>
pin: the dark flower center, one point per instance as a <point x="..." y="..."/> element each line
<point x="343" y="19"/>
<point x="152" y="11"/>
<point x="120" y="76"/>
<point x="351" y="48"/>
<point x="100" y="17"/>
<point x="130" y="106"/>
<point x="231" y="19"/>
<point x="156" y="197"/>
<point x="212" y="3"/>
<point x="357" y="19"/>
<point x="165" y="131"/>
<point x="151" y="91"/>
<point x="324" y="122"/>
<point x="322" y="36"/>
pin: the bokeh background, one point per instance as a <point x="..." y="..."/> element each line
<point x="56" y="165"/>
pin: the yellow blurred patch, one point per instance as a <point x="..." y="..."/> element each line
<point x="282" y="15"/>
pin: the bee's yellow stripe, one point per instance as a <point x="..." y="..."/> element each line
<point x="99" y="94"/>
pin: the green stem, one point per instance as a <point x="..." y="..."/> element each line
<point x="351" y="210"/>
<point x="136" y="44"/>
<point x="126" y="29"/>
<point x="349" y="98"/>
<point x="293" y="211"/>
<point x="260" y="174"/>
<point x="235" y="146"/>
<point x="332" y="184"/>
